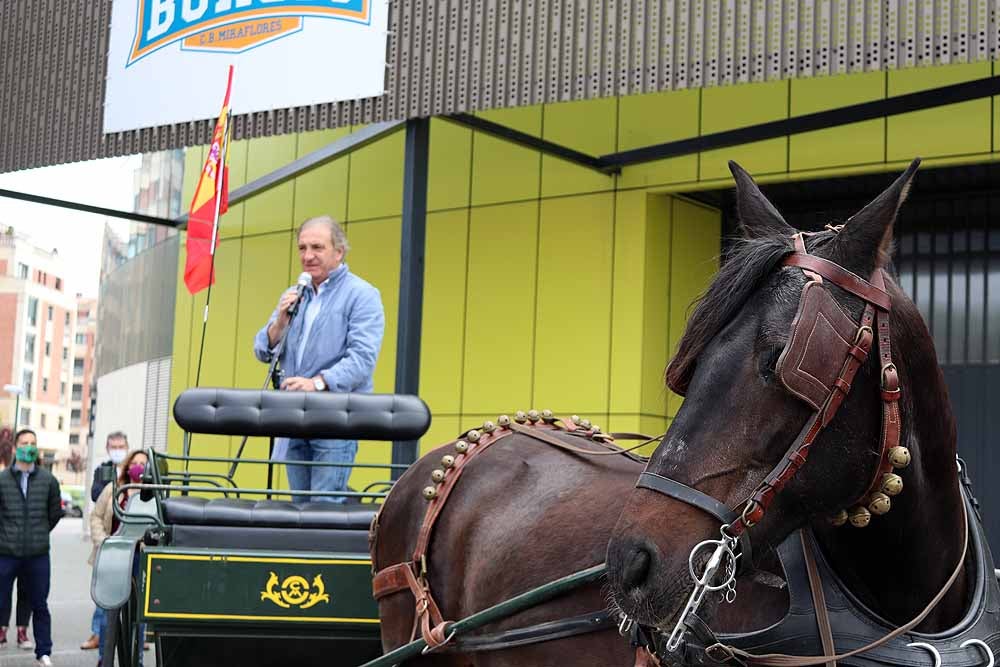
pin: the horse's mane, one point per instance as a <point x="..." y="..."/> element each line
<point x="744" y="266"/>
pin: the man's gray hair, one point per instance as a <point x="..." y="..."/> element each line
<point x="116" y="435"/>
<point x="337" y="234"/>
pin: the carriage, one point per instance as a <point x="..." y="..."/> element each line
<point x="928" y="589"/>
<point x="218" y="573"/>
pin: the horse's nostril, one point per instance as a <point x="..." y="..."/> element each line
<point x="636" y="567"/>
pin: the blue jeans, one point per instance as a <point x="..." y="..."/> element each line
<point x="98" y="620"/>
<point x="36" y="573"/>
<point x="319" y="478"/>
<point x="23" y="608"/>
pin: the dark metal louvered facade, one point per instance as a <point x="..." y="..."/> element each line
<point x="448" y="56"/>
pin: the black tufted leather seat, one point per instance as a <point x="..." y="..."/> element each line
<point x="268" y="524"/>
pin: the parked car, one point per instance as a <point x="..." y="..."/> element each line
<point x="71" y="506"/>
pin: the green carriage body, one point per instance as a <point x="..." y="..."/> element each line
<point x="218" y="578"/>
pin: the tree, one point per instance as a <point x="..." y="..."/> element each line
<point x="74" y="462"/>
<point x="6" y="446"/>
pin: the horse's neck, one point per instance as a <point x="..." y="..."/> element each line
<point x="901" y="560"/>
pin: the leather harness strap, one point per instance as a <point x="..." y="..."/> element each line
<point x="819" y="599"/>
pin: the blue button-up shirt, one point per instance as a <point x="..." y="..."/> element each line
<point x="337" y="335"/>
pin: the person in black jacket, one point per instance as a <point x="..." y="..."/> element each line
<point x="29" y="509"/>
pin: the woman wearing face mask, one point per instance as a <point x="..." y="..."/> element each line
<point x="103" y="521"/>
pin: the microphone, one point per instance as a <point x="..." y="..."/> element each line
<point x="300" y="290"/>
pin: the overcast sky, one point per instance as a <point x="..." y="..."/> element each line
<point x="76" y="235"/>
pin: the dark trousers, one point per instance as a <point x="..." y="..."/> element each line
<point x="35" y="572"/>
<point x="23" y="608"/>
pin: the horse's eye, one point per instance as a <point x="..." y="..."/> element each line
<point x="768" y="360"/>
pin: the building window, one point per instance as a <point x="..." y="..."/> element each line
<point x="22" y="271"/>
<point x="62" y="391"/>
<point x="32" y="311"/>
<point x="59" y="287"/>
<point x="67" y="314"/>
<point x="78" y="367"/>
<point x="48" y="349"/>
<point x="62" y="422"/>
<point x="74" y="438"/>
<point x="28" y="377"/>
<point x="65" y="354"/>
<point x="50" y="313"/>
<point x="41" y="420"/>
<point x="81" y="339"/>
<point x="25" y="416"/>
<point x="74" y="417"/>
<point x="77" y="392"/>
<point x="45" y="385"/>
<point x="29" y="348"/>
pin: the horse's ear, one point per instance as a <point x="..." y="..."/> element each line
<point x="758" y="217"/>
<point x="864" y="244"/>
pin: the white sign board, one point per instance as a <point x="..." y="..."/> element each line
<point x="168" y="59"/>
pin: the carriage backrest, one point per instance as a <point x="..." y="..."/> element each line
<point x="302" y="414"/>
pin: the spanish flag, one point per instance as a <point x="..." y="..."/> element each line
<point x="211" y="200"/>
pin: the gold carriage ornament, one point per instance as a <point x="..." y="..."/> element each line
<point x="880" y="501"/>
<point x="295" y="591"/>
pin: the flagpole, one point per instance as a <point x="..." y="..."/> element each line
<point x="219" y="176"/>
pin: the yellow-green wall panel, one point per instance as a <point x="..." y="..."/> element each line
<point x="442" y="341"/>
<point x="376" y="179"/>
<point x="657" y="293"/>
<point x="955" y="129"/>
<point x="218" y="362"/>
<point x="231" y="222"/>
<point x="375" y="257"/>
<point x="573" y="315"/>
<point x="996" y="113"/>
<point x="194" y="160"/>
<point x="444" y="428"/>
<point x="730" y="107"/>
<point x="181" y="356"/>
<point x="694" y="252"/>
<point x="449" y="166"/>
<point x="645" y="120"/>
<point x="627" y="301"/>
<point x="856" y="143"/>
<point x="499" y="319"/>
<point x="502" y="172"/>
<point x="371" y="451"/>
<point x="587" y="126"/>
<point x="321" y="191"/>
<point x="262" y="280"/>
<point x="271" y="210"/>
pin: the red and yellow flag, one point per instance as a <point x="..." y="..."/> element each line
<point x="211" y="200"/>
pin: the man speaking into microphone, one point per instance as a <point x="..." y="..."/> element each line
<point x="333" y="324"/>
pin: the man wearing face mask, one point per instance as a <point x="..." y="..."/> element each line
<point x="29" y="509"/>
<point x="117" y="448"/>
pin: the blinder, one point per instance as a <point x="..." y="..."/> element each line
<point x="822" y="336"/>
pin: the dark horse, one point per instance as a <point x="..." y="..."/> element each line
<point x="524" y="513"/>
<point x="737" y="439"/>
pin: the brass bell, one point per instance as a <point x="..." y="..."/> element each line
<point x="437" y="476"/>
<point x="503" y="421"/>
<point x="461" y="446"/>
<point x="533" y="416"/>
<point x="838" y="519"/>
<point x="899" y="456"/>
<point x="879" y="503"/>
<point x="595" y="429"/>
<point x="520" y="417"/>
<point x="547" y="415"/>
<point x="489" y="427"/>
<point x="585" y="423"/>
<point x="473" y="435"/>
<point x="575" y="419"/>
<point x="859" y="516"/>
<point x="892" y="484"/>
<point x="430" y="493"/>
<point x="447" y="461"/>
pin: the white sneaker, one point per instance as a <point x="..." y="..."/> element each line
<point x="45" y="661"/>
<point x="25" y="644"/>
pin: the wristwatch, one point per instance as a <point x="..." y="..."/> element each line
<point x="319" y="384"/>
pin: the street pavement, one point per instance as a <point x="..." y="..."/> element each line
<point x="69" y="602"/>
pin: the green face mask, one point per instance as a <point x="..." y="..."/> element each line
<point x="26" y="453"/>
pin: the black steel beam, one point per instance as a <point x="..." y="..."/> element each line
<point x="925" y="99"/>
<point x="411" y="273"/>
<point x="87" y="208"/>
<point x="529" y="141"/>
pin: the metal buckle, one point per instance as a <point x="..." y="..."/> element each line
<point x="750" y="506"/>
<point x="861" y="330"/>
<point x="886" y="368"/>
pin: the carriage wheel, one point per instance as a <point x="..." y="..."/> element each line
<point x="122" y="643"/>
